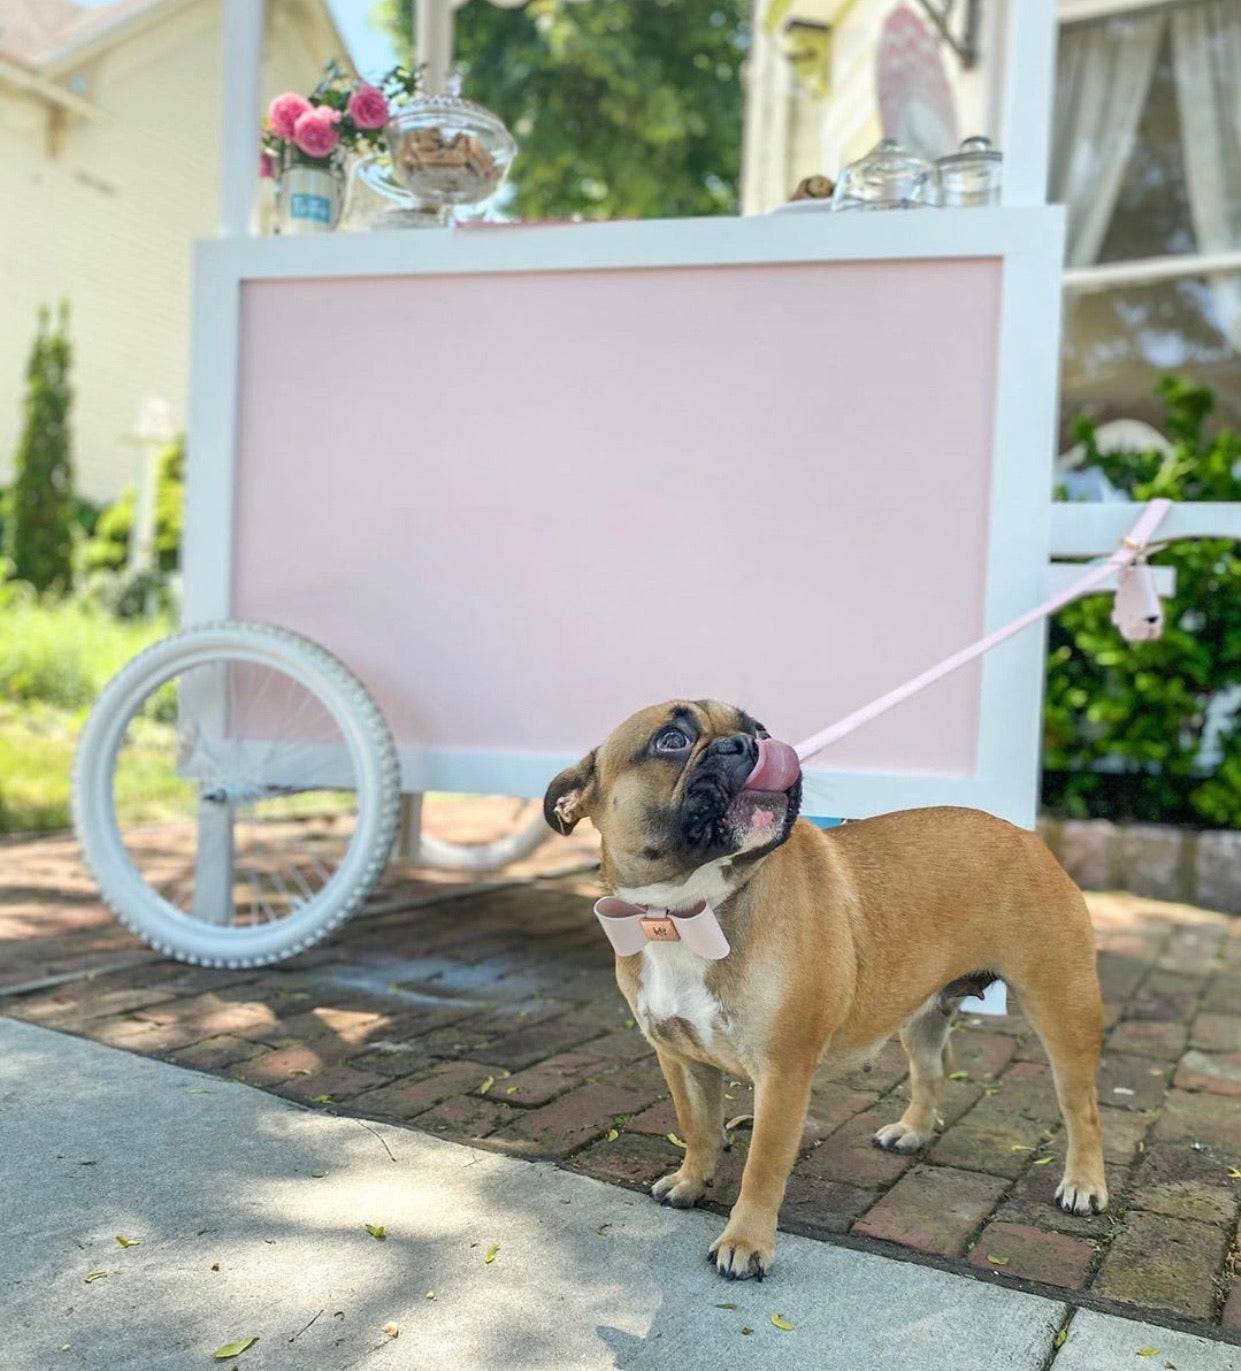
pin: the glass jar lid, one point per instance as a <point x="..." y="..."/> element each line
<point x="888" y="176"/>
<point x="973" y="152"/>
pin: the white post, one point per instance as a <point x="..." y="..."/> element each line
<point x="242" y="48"/>
<point x="433" y="42"/>
<point x="213" y="863"/>
<point x="409" y="829"/>
<point x="152" y="433"/>
<point x="1027" y="77"/>
<point x="142" y="528"/>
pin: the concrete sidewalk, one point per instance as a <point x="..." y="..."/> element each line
<point x="248" y="1217"/>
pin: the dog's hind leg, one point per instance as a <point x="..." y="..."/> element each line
<point x="925" y="1040"/>
<point x="698" y="1094"/>
<point x="1062" y="1003"/>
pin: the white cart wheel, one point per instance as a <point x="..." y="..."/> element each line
<point x="480" y="858"/>
<point x="235" y="794"/>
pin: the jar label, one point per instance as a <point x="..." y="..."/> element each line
<point x="316" y="207"/>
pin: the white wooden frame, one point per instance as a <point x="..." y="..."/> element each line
<point x="1028" y="243"/>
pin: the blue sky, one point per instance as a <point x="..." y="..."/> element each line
<point x="371" y="50"/>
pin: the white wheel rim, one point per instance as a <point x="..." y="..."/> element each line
<point x="141" y="905"/>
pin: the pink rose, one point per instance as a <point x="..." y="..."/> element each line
<point x="367" y="108"/>
<point x="284" y="112"/>
<point x="315" y="131"/>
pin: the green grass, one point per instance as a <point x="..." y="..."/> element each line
<point x="54" y="660"/>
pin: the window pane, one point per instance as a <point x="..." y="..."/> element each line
<point x="1118" y="343"/>
<point x="1152" y="216"/>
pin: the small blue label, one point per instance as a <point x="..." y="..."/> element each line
<point x="304" y="206"/>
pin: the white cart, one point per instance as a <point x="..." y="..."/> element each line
<point x="469" y="497"/>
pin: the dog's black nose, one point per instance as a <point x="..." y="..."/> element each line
<point x="734" y="745"/>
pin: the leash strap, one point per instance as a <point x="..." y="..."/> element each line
<point x="1131" y="550"/>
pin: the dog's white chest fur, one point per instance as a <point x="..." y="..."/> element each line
<point x="672" y="985"/>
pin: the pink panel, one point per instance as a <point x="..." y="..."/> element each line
<point x="522" y="505"/>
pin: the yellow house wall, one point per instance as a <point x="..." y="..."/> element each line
<point x="108" y="220"/>
<point x="791" y="134"/>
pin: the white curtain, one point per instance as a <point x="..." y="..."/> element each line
<point x="1206" y="57"/>
<point x="1103" y="77"/>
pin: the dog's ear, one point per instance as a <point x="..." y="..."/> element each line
<point x="570" y="795"/>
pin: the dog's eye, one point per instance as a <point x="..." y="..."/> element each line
<point x="670" y="740"/>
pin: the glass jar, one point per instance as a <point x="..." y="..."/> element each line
<point x="446" y="150"/>
<point x="972" y="175"/>
<point x="309" y="196"/>
<point x="888" y="177"/>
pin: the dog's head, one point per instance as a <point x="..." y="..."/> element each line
<point x="672" y="791"/>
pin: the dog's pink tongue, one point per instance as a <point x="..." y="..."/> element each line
<point x="777" y="766"/>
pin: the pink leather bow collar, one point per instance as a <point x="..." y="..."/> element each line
<point x="631" y="926"/>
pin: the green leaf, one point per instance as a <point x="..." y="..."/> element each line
<point x="377" y="1231"/>
<point x="959" y="1076"/>
<point x="321" y="1099"/>
<point x="95" y="1276"/>
<point x="1234" y="1173"/>
<point x="1042" y="1161"/>
<point x="233" y="1349"/>
<point x="996" y="1260"/>
<point x="490" y="1255"/>
<point x="676" y="1142"/>
<point x="613" y="1134"/>
<point x="128" y="1242"/>
<point x="780" y="1322"/>
<point x="1061" y="1338"/>
<point x="488" y="1082"/>
<point x="1148" y="1351"/>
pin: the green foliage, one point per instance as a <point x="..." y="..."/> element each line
<point x="622" y="108"/>
<point x="54" y="659"/>
<point x="1144" y="705"/>
<point x="63" y="653"/>
<point x="108" y="549"/>
<point x="40" y="509"/>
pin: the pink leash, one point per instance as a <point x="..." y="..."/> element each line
<point x="1131" y="550"/>
<point x="1137" y="614"/>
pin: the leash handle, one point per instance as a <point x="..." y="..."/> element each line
<point x="1131" y="548"/>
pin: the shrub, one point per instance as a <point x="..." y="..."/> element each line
<point x="108" y="549"/>
<point x="40" y="512"/>
<point x="1126" y="725"/>
<point x="63" y="654"/>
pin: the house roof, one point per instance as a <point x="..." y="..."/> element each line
<point x="30" y="27"/>
<point x="52" y="35"/>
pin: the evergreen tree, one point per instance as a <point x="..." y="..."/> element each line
<point x="40" y="516"/>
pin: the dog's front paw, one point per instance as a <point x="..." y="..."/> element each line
<point x="900" y="1137"/>
<point x="1081" y="1196"/>
<point x="680" y="1190"/>
<point x="743" y="1250"/>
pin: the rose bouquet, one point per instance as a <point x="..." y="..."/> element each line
<point x="341" y="114"/>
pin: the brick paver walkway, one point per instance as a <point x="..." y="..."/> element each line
<point x="492" y="1017"/>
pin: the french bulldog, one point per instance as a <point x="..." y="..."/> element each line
<point x="836" y="939"/>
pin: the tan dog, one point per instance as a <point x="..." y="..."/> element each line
<point x="839" y="938"/>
